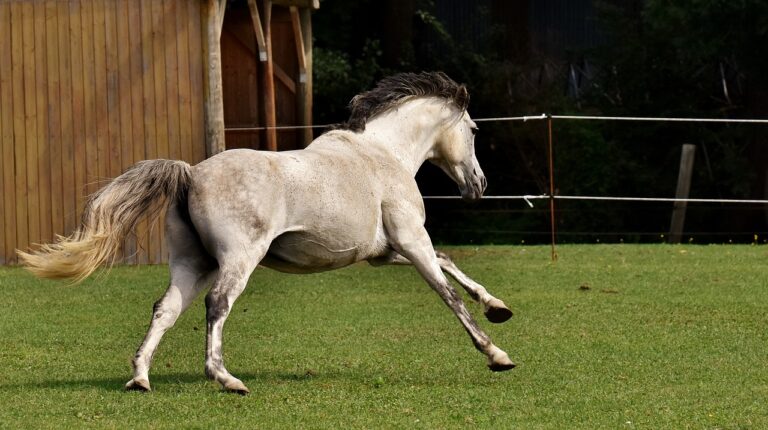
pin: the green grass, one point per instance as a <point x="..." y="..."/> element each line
<point x="610" y="336"/>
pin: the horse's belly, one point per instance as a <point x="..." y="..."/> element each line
<point x="304" y="253"/>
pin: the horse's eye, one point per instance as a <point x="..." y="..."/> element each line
<point x="474" y="130"/>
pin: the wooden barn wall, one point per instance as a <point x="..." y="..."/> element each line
<point x="243" y="105"/>
<point x="241" y="79"/>
<point x="87" y="89"/>
<point x="284" y="57"/>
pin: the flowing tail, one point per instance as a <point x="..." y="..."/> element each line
<point x="110" y="214"/>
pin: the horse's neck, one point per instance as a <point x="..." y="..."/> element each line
<point x="410" y="131"/>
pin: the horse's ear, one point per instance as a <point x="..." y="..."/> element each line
<point x="462" y="97"/>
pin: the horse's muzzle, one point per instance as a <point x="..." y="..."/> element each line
<point x="474" y="190"/>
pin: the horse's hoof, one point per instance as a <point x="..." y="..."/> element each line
<point x="499" y="361"/>
<point x="497" y="312"/>
<point x="237" y="387"/>
<point x="138" y="385"/>
<point x="500" y="367"/>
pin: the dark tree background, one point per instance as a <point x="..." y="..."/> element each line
<point x="689" y="58"/>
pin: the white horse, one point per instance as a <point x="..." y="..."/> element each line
<point x="349" y="196"/>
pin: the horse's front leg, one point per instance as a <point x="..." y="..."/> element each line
<point x="414" y="244"/>
<point x="495" y="310"/>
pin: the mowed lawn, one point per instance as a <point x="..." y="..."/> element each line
<point x="610" y="336"/>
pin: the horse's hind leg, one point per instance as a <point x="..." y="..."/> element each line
<point x="184" y="287"/>
<point x="495" y="310"/>
<point x="191" y="270"/>
<point x="233" y="275"/>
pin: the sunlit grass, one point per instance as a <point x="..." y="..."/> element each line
<point x="610" y="336"/>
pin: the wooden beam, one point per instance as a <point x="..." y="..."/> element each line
<point x="221" y="9"/>
<point x="258" y="29"/>
<point x="212" y="20"/>
<point x="284" y="78"/>
<point x="304" y="4"/>
<point x="268" y="80"/>
<point x="304" y="95"/>
<point x="296" y="23"/>
<point x="683" y="190"/>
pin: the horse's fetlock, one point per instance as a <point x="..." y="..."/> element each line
<point x="482" y="345"/>
<point x="140" y="362"/>
<point x="210" y="373"/>
<point x="212" y="369"/>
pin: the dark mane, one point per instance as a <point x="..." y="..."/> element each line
<point x="393" y="90"/>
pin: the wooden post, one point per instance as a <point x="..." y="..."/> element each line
<point x="268" y="79"/>
<point x="257" y="28"/>
<point x="299" y="42"/>
<point x="683" y="189"/>
<point x="305" y="88"/>
<point x="212" y="20"/>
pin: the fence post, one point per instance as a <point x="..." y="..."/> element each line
<point x="683" y="189"/>
<point x="551" y="163"/>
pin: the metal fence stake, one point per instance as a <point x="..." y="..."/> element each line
<point x="551" y="186"/>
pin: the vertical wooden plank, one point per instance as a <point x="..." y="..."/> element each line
<point x="19" y="130"/>
<point x="78" y="106"/>
<point x="30" y="121"/>
<point x="122" y="48"/>
<point x="150" y="114"/>
<point x="43" y="146"/>
<point x="89" y="96"/>
<point x="6" y="141"/>
<point x="158" y="63"/>
<point x="185" y="108"/>
<point x="196" y="81"/>
<point x="268" y="80"/>
<point x="137" y="113"/>
<point x="3" y="89"/>
<point x="67" y="137"/>
<point x="161" y="36"/>
<point x="54" y="116"/>
<point x="2" y="165"/>
<point x="172" y="79"/>
<point x="100" y="92"/>
<point x="112" y="44"/>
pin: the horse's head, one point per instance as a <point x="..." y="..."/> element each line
<point x="438" y="110"/>
<point x="454" y="152"/>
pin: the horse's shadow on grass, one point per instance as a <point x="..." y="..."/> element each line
<point x="112" y="384"/>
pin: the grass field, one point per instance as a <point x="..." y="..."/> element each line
<point x="610" y="336"/>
